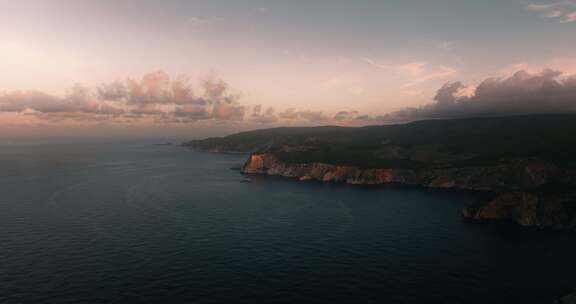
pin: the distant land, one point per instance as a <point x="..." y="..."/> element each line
<point x="525" y="164"/>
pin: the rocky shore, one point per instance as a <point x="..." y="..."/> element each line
<point x="516" y="187"/>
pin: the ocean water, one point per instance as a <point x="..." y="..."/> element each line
<point x="138" y="223"/>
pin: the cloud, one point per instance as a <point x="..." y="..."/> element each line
<point x="192" y="112"/>
<point x="147" y="109"/>
<point x="159" y="98"/>
<point x="228" y="112"/>
<point x="33" y="100"/>
<point x="375" y="64"/>
<point x="313" y="116"/>
<point x="446" y="96"/>
<point x="289" y="114"/>
<point x="568" y="18"/>
<point x="416" y="72"/>
<point x="422" y="71"/>
<point x="265" y="117"/>
<point x="521" y="93"/>
<point x="113" y="91"/>
<point x="562" y="12"/>
<point x="345" y="115"/>
<point x="156" y="95"/>
<point x="78" y="100"/>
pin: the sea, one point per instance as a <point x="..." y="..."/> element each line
<point x="130" y="221"/>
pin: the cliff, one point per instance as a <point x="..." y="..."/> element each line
<point x="513" y="176"/>
<point x="519" y="188"/>
<point x="554" y="211"/>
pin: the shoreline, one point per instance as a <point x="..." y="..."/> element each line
<point x="504" y="199"/>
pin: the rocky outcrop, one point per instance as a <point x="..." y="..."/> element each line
<point x="514" y="186"/>
<point x="514" y="176"/>
<point x="526" y="209"/>
<point x="269" y="164"/>
<point x="518" y="206"/>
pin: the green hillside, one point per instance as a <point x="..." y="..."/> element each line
<point x="455" y="142"/>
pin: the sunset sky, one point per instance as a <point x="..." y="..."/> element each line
<point x="216" y="66"/>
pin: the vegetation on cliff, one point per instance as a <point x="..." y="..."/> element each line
<point x="456" y="142"/>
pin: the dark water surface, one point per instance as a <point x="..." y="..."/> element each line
<point x="136" y="223"/>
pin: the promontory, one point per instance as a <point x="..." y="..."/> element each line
<point x="525" y="164"/>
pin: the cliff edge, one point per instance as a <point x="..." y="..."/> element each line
<point x="519" y="189"/>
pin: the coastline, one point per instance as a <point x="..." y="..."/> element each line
<point x="513" y="199"/>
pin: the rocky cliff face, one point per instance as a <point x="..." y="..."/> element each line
<point x="527" y="209"/>
<point x="514" y="176"/>
<point x="512" y="184"/>
<point x="269" y="164"/>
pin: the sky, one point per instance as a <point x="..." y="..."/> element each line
<point x="213" y="67"/>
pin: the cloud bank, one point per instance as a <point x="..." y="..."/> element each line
<point x="521" y="93"/>
<point x="157" y="98"/>
<point x="562" y="12"/>
<point x="154" y="96"/>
